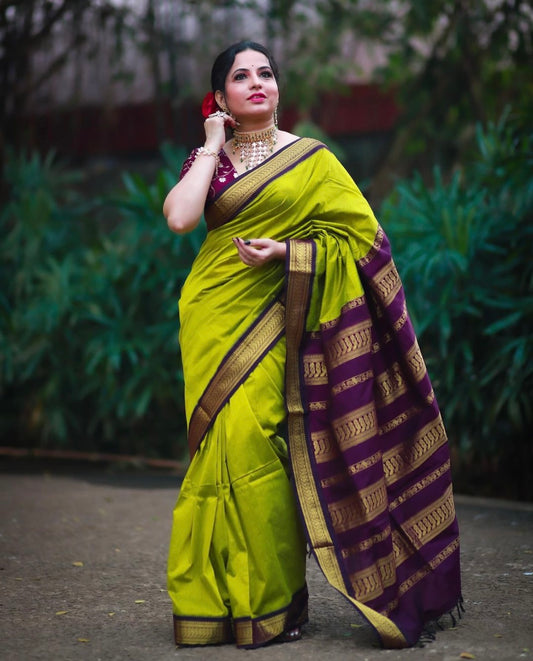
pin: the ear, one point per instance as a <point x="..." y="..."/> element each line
<point x="219" y="98"/>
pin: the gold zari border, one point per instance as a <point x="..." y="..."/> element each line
<point x="378" y="240"/>
<point x="371" y="582"/>
<point x="359" y="508"/>
<point x="427" y="441"/>
<point x="356" y="427"/>
<point x="246" y="186"/>
<point x="298" y="291"/>
<point x="196" y="631"/>
<point x="351" y="343"/>
<point x="388" y="283"/>
<point x="239" y="362"/>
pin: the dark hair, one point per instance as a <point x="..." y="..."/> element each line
<point x="224" y="62"/>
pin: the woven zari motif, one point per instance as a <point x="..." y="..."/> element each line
<point x="379" y="458"/>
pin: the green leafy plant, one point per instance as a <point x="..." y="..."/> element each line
<point x="89" y="321"/>
<point x="463" y="248"/>
<point x="132" y="353"/>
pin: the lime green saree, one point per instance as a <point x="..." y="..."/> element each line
<point x="310" y="415"/>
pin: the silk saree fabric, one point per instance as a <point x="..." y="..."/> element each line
<point x="367" y="448"/>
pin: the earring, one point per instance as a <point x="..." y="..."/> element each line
<point x="276" y="117"/>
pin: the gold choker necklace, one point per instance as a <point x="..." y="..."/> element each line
<point x="255" y="146"/>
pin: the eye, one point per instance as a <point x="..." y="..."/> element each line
<point x="239" y="76"/>
<point x="266" y="74"/>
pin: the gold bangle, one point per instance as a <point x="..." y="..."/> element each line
<point x="208" y="152"/>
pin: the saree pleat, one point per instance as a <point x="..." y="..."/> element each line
<point x="324" y="346"/>
<point x="235" y="574"/>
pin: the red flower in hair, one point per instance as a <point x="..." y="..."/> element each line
<point x="209" y="105"/>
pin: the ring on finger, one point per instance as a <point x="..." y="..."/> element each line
<point x="218" y="113"/>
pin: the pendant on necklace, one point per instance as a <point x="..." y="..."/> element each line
<point x="256" y="146"/>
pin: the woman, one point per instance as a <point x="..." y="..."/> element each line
<point x="310" y="412"/>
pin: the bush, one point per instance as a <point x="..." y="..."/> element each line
<point x="463" y="248"/>
<point x="89" y="357"/>
<point x="89" y="314"/>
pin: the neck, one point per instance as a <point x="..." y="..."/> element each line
<point x="239" y="130"/>
<point x="249" y="126"/>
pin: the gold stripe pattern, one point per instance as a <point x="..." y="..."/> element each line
<point x="355" y="303"/>
<point x="390" y="385"/>
<point x="402" y="549"/>
<point x="318" y="406"/>
<point x="356" y="426"/>
<point x="351" y="382"/>
<point x="427" y="441"/>
<point x="402" y="319"/>
<point x="399" y="420"/>
<point x="323" y="447"/>
<point x="351" y="305"/>
<point x="315" y="370"/>
<point x="369" y="583"/>
<point x="353" y="469"/>
<point x="265" y="629"/>
<point x="390" y="635"/>
<point x="233" y="370"/>
<point x="359" y="508"/>
<point x="429" y="522"/>
<point x="388" y="283"/>
<point x="392" y="605"/>
<point x="424" y="571"/>
<point x="351" y="343"/>
<point x="435" y="518"/>
<point x="367" y="543"/>
<point x="420" y="486"/>
<point x="416" y="362"/>
<point x="194" y="631"/>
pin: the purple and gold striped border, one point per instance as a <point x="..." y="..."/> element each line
<point x="246" y="187"/>
<point x="300" y="266"/>
<point x="234" y="369"/>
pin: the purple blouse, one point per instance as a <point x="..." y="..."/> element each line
<point x="226" y="173"/>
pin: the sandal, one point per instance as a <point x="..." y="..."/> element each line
<point x="290" y="636"/>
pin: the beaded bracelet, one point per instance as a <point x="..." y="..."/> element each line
<point x="208" y="152"/>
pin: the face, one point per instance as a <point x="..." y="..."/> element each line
<point x="251" y="89"/>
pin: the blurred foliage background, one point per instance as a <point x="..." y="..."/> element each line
<point x="90" y="274"/>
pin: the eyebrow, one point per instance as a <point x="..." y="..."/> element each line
<point x="263" y="66"/>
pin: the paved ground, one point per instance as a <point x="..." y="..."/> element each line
<point x="82" y="577"/>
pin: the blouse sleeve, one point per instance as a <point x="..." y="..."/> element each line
<point x="187" y="163"/>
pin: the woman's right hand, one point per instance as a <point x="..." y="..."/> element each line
<point x="215" y="131"/>
<point x="184" y="204"/>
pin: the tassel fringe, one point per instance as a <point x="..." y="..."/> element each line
<point x="429" y="632"/>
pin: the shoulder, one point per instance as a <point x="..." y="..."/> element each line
<point x="285" y="138"/>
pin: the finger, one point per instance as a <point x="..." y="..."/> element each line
<point x="248" y="254"/>
<point x="239" y="244"/>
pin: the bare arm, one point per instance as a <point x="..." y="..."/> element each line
<point x="184" y="204"/>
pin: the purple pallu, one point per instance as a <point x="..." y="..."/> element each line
<point x="369" y="451"/>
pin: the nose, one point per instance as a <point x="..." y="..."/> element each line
<point x="255" y="80"/>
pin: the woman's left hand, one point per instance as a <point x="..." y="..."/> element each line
<point x="256" y="252"/>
